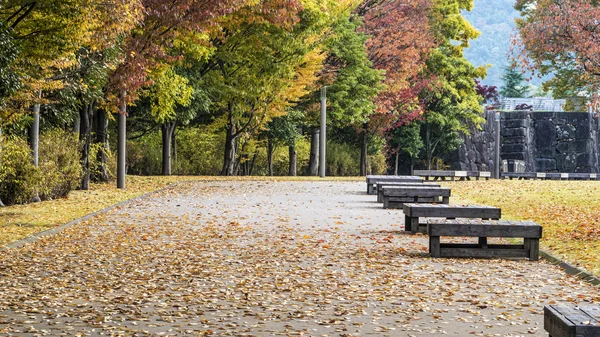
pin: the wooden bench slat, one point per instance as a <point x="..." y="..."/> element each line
<point x="571" y="321"/>
<point x="491" y="252"/>
<point x="530" y="231"/>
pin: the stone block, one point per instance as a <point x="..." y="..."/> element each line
<point x="514" y="132"/>
<point x="517" y="156"/>
<point x="510" y="148"/>
<point x="514" y="123"/>
<point x="566" y="162"/>
<point x="582" y="146"/>
<point x="545" y="164"/>
<point x="564" y="147"/>
<point x="546" y="152"/>
<point x="514" y="140"/>
<point x="545" y="134"/>
<point x="583" y="130"/>
<point x="583" y="160"/>
<point x="566" y="131"/>
<point x="517" y="114"/>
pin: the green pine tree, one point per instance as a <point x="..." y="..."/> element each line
<point x="514" y="83"/>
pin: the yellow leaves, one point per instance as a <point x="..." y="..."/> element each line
<point x="169" y="89"/>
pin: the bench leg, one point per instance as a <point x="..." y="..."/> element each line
<point x="434" y="246"/>
<point x="407" y="223"/>
<point x="386" y="202"/>
<point x="483" y="243"/>
<point x="379" y="196"/>
<point x="445" y="200"/>
<point x="533" y="246"/>
<point x="414" y="224"/>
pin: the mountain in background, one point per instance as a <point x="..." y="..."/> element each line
<point x="496" y="22"/>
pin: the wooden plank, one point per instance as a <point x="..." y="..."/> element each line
<point x="434" y="173"/>
<point x="482" y="253"/>
<point x="374" y="179"/>
<point x="394" y="184"/>
<point x="484" y="230"/>
<point x="485" y="174"/>
<point x="460" y="173"/>
<point x="434" y="246"/>
<point x="519" y="175"/>
<point x="417" y="192"/>
<point x="444" y="211"/>
<point x="556" y="324"/>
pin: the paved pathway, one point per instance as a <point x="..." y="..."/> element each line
<point x="266" y="259"/>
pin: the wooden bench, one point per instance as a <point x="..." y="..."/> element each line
<point x="396" y="197"/>
<point x="443" y="174"/>
<point x="530" y="231"/>
<point x="572" y="321"/>
<point x="550" y="176"/>
<point x="583" y="176"/>
<point x="412" y="213"/>
<point x="372" y="180"/>
<point x="518" y="175"/>
<point x="380" y="186"/>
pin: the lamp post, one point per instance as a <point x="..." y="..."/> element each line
<point x="497" y="150"/>
<point x="322" y="137"/>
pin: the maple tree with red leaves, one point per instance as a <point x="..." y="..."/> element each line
<point x="151" y="41"/>
<point x="562" y="37"/>
<point x="400" y="40"/>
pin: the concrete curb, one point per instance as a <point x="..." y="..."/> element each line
<point x="52" y="231"/>
<point x="571" y="270"/>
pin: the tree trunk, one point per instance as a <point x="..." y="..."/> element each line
<point x="167" y="135"/>
<point x="252" y="162"/>
<point x="363" y="154"/>
<point x="313" y="163"/>
<point x="229" y="157"/>
<point x="122" y="142"/>
<point x="1" y="203"/>
<point x="412" y="165"/>
<point x="76" y="124"/>
<point x="102" y="140"/>
<point x="174" y="146"/>
<point x="396" y="163"/>
<point x="293" y="160"/>
<point x="34" y="142"/>
<point x="428" y="146"/>
<point x="270" y="156"/>
<point x="85" y="116"/>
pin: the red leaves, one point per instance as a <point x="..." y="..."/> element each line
<point x="563" y="34"/>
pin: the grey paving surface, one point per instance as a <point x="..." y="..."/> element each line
<point x="266" y="259"/>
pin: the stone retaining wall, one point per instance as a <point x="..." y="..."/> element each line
<point x="543" y="141"/>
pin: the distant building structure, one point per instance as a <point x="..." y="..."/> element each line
<point x="537" y="103"/>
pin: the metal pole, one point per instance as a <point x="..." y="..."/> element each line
<point x="497" y="152"/>
<point x="121" y="148"/>
<point x="322" y="138"/>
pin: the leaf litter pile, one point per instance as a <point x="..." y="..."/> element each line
<point x="266" y="259"/>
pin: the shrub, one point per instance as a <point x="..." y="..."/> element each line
<point x="342" y="159"/>
<point x="17" y="173"/>
<point x="376" y="164"/>
<point x="111" y="162"/>
<point x="199" y="152"/>
<point x="144" y="155"/>
<point x="59" y="166"/>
